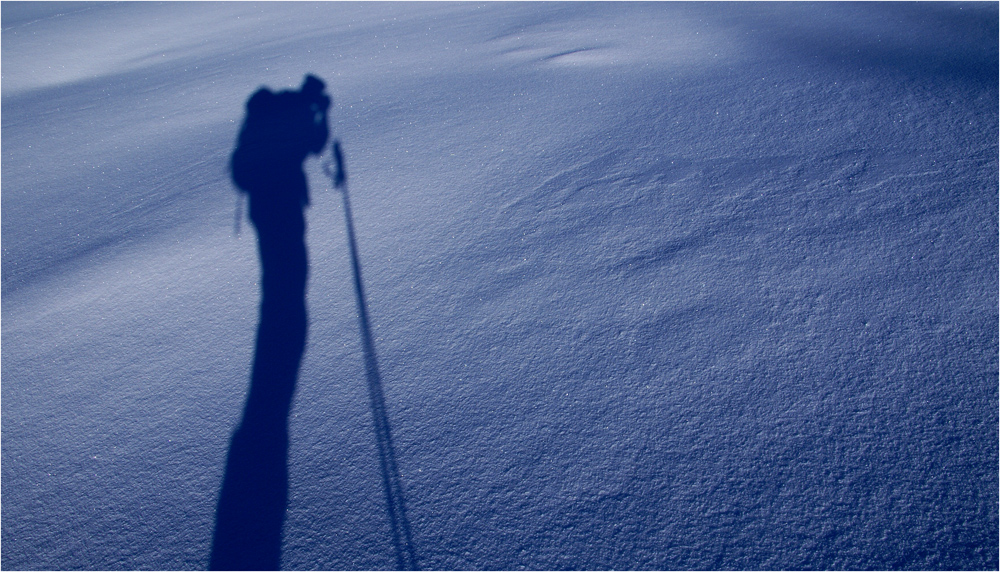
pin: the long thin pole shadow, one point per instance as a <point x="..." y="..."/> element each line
<point x="402" y="541"/>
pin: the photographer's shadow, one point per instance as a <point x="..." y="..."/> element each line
<point x="279" y="132"/>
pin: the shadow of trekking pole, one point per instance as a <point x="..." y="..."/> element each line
<point x="402" y="542"/>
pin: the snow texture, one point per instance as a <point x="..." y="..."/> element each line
<point x="671" y="286"/>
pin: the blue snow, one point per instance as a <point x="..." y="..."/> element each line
<point x="652" y="285"/>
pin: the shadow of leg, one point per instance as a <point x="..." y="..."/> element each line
<point x="252" y="503"/>
<point x="254" y="493"/>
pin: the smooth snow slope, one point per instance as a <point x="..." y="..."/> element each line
<point x="652" y="285"/>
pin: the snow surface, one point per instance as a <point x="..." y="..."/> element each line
<point x="652" y="285"/>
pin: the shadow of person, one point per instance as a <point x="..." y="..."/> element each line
<point x="279" y="132"/>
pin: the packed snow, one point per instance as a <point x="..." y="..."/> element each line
<point x="652" y="285"/>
